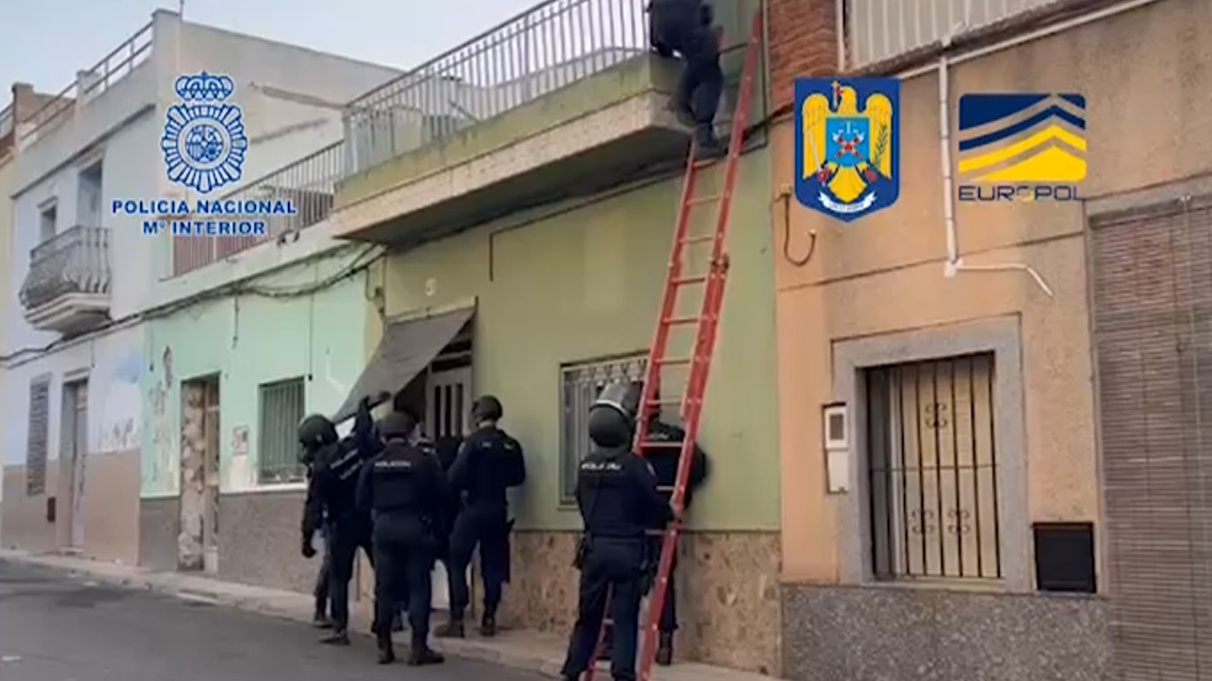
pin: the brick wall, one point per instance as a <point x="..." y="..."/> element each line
<point x="803" y="42"/>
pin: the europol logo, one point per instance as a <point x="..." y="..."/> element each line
<point x="204" y="141"/>
<point x="847" y="145"/>
<point x="1021" y="146"/>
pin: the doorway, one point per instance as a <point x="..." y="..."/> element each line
<point x="198" y="541"/>
<point x="448" y="400"/>
<point x="73" y="461"/>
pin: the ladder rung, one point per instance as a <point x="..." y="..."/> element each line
<point x="672" y="361"/>
<point x="681" y="320"/>
<point x="705" y="199"/>
<point x="681" y="281"/>
<point x="665" y="488"/>
<point x="665" y="402"/>
<point x="700" y="239"/>
<point x="704" y="162"/>
<point x="660" y="443"/>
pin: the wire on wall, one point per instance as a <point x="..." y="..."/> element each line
<point x="784" y="198"/>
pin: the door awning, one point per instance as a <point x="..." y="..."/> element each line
<point x="407" y="348"/>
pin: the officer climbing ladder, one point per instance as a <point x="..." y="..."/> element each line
<point x="706" y="324"/>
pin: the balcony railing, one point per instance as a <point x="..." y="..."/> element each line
<point x="112" y="68"/>
<point x="549" y="47"/>
<point x="881" y="29"/>
<point x="308" y="184"/>
<point x="75" y="261"/>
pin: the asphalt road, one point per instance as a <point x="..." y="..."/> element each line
<point x="57" y="628"/>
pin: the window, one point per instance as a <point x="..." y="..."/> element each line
<point x="88" y="205"/>
<point x="282" y="404"/>
<point x="36" y="438"/>
<point x="932" y="470"/>
<point x="580" y="385"/>
<point x="49" y="223"/>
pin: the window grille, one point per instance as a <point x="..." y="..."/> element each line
<point x="282" y="407"/>
<point x="932" y="470"/>
<point x="580" y="385"/>
<point x="36" y="442"/>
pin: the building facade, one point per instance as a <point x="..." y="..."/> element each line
<point x="990" y="409"/>
<point x="529" y="223"/>
<point x="76" y="342"/>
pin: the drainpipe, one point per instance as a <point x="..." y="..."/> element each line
<point x="955" y="264"/>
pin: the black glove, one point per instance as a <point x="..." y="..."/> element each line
<point x="308" y="551"/>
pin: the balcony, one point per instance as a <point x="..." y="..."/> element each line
<point x="879" y="30"/>
<point x="564" y="99"/>
<point x="67" y="287"/>
<point x="308" y="184"/>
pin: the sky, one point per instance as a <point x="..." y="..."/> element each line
<point x="45" y="42"/>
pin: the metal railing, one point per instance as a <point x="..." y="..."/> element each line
<point x="881" y="29"/>
<point x="102" y="76"/>
<point x="542" y="50"/>
<point x="76" y="260"/>
<point x="308" y="184"/>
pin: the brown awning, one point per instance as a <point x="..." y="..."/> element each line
<point x="407" y="348"/>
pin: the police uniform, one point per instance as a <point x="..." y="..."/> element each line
<point x="684" y="26"/>
<point x="331" y="493"/>
<point x="618" y="499"/>
<point x="664" y="459"/>
<point x="405" y="490"/>
<point x="488" y="462"/>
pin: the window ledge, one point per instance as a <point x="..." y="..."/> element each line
<point x="269" y="488"/>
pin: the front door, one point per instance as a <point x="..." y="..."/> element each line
<point x="447" y="411"/>
<point x="75" y="451"/>
<point x="210" y="477"/>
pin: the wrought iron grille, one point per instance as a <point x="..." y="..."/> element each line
<point x="76" y="260"/>
<point x="282" y="407"/>
<point x="932" y="469"/>
<point x="37" y="438"/>
<point x="580" y="385"/>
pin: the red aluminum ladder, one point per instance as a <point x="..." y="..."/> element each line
<point x="698" y="359"/>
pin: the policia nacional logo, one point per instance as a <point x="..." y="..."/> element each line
<point x="204" y="141"/>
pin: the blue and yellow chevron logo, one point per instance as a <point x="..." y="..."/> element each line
<point x="1022" y="138"/>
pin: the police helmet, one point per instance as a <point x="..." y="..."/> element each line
<point x="398" y="425"/>
<point x="317" y="430"/>
<point x="623" y="397"/>
<point x="487" y="408"/>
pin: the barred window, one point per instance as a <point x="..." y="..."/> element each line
<point x="281" y="408"/>
<point x="580" y="385"/>
<point x="36" y="442"/>
<point x="932" y="469"/>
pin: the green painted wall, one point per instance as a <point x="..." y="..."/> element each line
<point x="248" y="341"/>
<point x="586" y="284"/>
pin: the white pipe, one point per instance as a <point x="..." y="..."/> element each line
<point x="944" y="125"/>
<point x="839" y="18"/>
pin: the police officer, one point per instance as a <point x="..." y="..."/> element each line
<point x="488" y="462"/>
<point x="663" y="452"/>
<point x="331" y="493"/>
<point x="618" y="498"/>
<point x="405" y="490"/>
<point x="684" y="26"/>
<point x="320" y="590"/>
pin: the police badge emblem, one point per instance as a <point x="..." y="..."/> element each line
<point x="204" y="141"/>
<point x="847" y="159"/>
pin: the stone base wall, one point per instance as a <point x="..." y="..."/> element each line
<point x="727" y="588"/>
<point x="25" y="525"/>
<point x="159" y="524"/>
<point x="880" y="633"/>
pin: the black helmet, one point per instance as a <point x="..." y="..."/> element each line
<point x="487" y="408"/>
<point x="317" y="430"/>
<point x="612" y="415"/>
<point x="398" y="425"/>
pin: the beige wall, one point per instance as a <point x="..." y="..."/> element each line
<point x="1146" y="75"/>
<point x="7" y="176"/>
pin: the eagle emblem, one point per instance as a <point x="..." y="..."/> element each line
<point x="847" y="156"/>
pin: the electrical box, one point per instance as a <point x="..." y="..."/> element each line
<point x="835" y="424"/>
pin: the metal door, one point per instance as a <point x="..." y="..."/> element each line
<point x="210" y="477"/>
<point x="447" y="412"/>
<point x="79" y="462"/>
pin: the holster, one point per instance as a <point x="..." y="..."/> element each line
<point x="582" y="554"/>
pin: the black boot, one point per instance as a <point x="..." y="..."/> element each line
<point x="708" y="146"/>
<point x="452" y="629"/>
<point x="424" y="655"/>
<point x="387" y="654"/>
<point x="664" y="655"/>
<point x="339" y="637"/>
<point x="488" y="626"/>
<point x="320" y="620"/>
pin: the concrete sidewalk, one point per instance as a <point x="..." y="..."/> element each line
<point x="530" y="651"/>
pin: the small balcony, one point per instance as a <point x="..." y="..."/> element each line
<point x="565" y="98"/>
<point x="67" y="289"/>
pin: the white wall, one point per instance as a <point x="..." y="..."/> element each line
<point x="7" y="294"/>
<point x="112" y="363"/>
